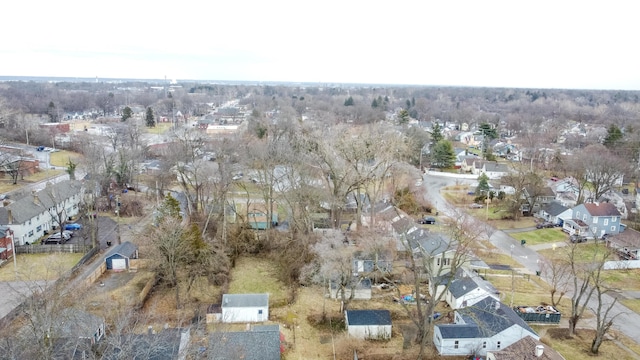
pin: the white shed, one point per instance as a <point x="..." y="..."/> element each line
<point x="368" y="324"/>
<point x="245" y="308"/>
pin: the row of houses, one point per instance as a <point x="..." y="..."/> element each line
<point x="37" y="214"/>
<point x="482" y="325"/>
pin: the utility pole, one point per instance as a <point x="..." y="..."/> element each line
<point x="118" y="219"/>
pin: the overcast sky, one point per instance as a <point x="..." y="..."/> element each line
<point x="532" y="44"/>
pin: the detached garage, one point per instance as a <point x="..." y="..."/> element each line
<point x="369" y="324"/>
<point x="118" y="258"/>
<point x="245" y="308"/>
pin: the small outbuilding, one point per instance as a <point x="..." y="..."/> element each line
<point x="245" y="308"/>
<point x="119" y="257"/>
<point x="368" y="324"/>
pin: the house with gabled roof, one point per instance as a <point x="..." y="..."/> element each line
<point x="368" y="324"/>
<point x="32" y="216"/>
<point x="555" y="213"/>
<point x="488" y="325"/>
<point x="494" y="170"/>
<point x="245" y="308"/>
<point x="594" y="220"/>
<point x="467" y="288"/>
<point x="259" y="343"/>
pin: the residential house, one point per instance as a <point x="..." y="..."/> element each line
<point x="166" y="344"/>
<point x="536" y="198"/>
<point x="527" y="348"/>
<point x="260" y="343"/>
<point x="467" y="289"/>
<point x="566" y="191"/>
<point x="245" y="308"/>
<point x="626" y="244"/>
<point x="594" y="220"/>
<point x="119" y="256"/>
<point x="6" y="243"/>
<point x="494" y="170"/>
<point x="257" y="216"/>
<point x="488" y="325"/>
<point x="555" y="213"/>
<point x="368" y="324"/>
<point x="359" y="287"/>
<point x="35" y="215"/>
<point x="78" y="324"/>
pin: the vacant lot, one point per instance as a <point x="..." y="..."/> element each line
<point x="39" y="266"/>
<point x="543" y="236"/>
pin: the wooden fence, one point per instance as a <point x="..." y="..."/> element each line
<point x="39" y="249"/>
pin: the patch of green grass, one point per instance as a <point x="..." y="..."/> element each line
<point x="583" y="252"/>
<point x="39" y="266"/>
<point x="61" y="158"/>
<point x="542" y="236"/>
<point x="632" y="304"/>
<point x="622" y="279"/>
<point x="257" y="275"/>
<point x="160" y="128"/>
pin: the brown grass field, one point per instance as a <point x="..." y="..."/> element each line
<point x="39" y="266"/>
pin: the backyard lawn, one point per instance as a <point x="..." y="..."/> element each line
<point x="39" y="266"/>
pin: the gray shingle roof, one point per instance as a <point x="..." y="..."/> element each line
<point x="554" y="208"/>
<point x="459" y="331"/>
<point x="245" y="300"/>
<point x="368" y="317"/>
<point x="127" y="249"/>
<point x="492" y="319"/>
<point x="246" y="345"/>
<point x="462" y="286"/>
<point x="429" y="243"/>
<point x="28" y="207"/>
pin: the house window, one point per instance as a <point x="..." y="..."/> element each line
<point x="613" y="228"/>
<point x="606" y="222"/>
<point x="31" y="233"/>
<point x="438" y="262"/>
<point x="614" y="219"/>
<point x="484" y="345"/>
<point x="595" y="220"/>
<point x="584" y="217"/>
<point x="456" y="344"/>
<point x="39" y="228"/>
<point x="498" y="345"/>
<point x="447" y="261"/>
<point x="577" y="214"/>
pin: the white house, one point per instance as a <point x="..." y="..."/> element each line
<point x="368" y="324"/>
<point x="245" y="308"/>
<point x="467" y="289"/>
<point x="488" y="325"/>
<point x="32" y="216"/>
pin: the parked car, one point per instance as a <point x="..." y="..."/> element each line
<point x="476" y="206"/>
<point x="577" y="238"/>
<point x="427" y="220"/>
<point x="73" y="226"/>
<point x="40" y="148"/>
<point x="545" y="225"/>
<point x="49" y="241"/>
<point x="66" y="235"/>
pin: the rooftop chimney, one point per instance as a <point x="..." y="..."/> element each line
<point x="150" y="330"/>
<point x="9" y="217"/>
<point x="497" y="305"/>
<point x="539" y="350"/>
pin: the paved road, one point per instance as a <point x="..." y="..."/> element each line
<point x="627" y="322"/>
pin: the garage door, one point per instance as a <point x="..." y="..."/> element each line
<point x="119" y="264"/>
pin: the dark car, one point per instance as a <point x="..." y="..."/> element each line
<point x="577" y="238"/>
<point x="427" y="220"/>
<point x="545" y="225"/>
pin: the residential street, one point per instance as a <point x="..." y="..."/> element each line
<point x="628" y="322"/>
